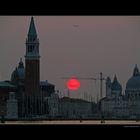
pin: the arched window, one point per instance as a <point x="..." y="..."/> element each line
<point x="30" y="48"/>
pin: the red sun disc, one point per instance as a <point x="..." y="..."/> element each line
<point x="73" y="84"/>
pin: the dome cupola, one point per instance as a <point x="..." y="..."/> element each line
<point x="19" y="73"/>
<point x="116" y="85"/>
<point x="134" y="82"/>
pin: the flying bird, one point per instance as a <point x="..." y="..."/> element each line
<point x="75" y="25"/>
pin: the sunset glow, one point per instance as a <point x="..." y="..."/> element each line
<point x="73" y="84"/>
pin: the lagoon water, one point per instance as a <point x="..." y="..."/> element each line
<point x="76" y="122"/>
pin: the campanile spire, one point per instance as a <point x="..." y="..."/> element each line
<point x="32" y="29"/>
<point x="32" y="42"/>
<point x="32" y="72"/>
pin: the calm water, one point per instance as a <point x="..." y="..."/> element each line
<point x="110" y="122"/>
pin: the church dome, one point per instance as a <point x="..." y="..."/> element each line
<point x="134" y="82"/>
<point x="18" y="73"/>
<point x="116" y="86"/>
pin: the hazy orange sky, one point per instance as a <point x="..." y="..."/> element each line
<point x="108" y="44"/>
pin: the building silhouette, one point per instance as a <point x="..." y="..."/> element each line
<point x="118" y="105"/>
<point x="25" y="82"/>
<point x="25" y="96"/>
<point x="33" y="97"/>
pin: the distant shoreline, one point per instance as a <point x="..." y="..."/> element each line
<point x="75" y="122"/>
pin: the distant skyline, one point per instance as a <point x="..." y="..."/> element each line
<point x="74" y="46"/>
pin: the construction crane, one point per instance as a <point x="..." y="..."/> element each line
<point x="101" y="78"/>
<point x="91" y="78"/>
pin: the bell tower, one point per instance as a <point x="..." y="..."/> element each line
<point x="32" y="96"/>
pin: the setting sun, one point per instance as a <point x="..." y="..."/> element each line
<point x="73" y="84"/>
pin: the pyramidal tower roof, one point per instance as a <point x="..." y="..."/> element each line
<point x="32" y="29"/>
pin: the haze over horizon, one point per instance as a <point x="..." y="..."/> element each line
<point x="74" y="46"/>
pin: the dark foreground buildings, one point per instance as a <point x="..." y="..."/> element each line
<point x="25" y="96"/>
<point x="25" y="82"/>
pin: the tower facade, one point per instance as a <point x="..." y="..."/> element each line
<point x="32" y="97"/>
